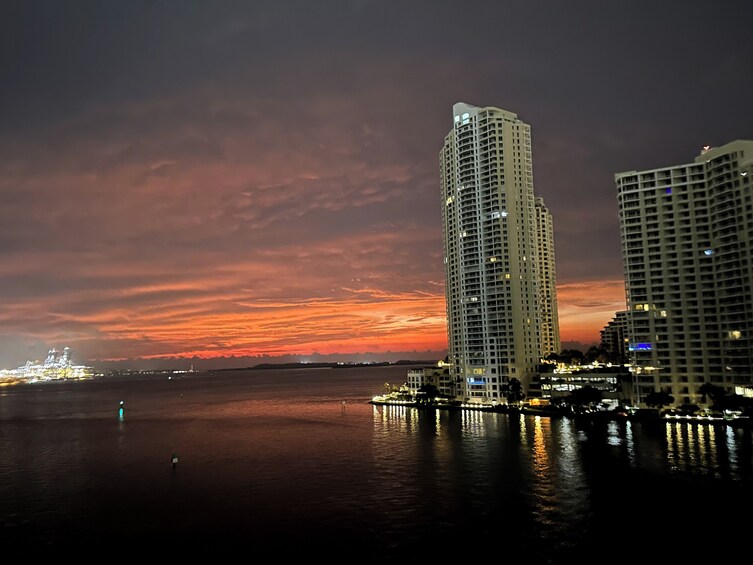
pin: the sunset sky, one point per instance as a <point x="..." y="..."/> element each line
<point x="230" y="179"/>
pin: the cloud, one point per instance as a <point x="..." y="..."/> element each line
<point x="585" y="307"/>
<point x="221" y="179"/>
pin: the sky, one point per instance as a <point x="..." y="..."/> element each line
<point x="245" y="181"/>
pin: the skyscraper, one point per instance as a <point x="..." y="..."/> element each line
<point x="614" y="337"/>
<point x="550" y="328"/>
<point x="688" y="259"/>
<point x="491" y="251"/>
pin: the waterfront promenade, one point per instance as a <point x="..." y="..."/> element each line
<point x="565" y="411"/>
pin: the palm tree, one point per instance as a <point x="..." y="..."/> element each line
<point x="715" y="392"/>
<point x="427" y="394"/>
<point x="513" y="391"/>
<point x="659" y="398"/>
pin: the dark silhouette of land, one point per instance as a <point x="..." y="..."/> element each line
<point x="327" y="365"/>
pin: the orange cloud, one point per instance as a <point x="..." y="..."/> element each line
<point x="398" y="322"/>
<point x="202" y="226"/>
<point x="585" y="307"/>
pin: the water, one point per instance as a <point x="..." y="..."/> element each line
<point x="273" y="463"/>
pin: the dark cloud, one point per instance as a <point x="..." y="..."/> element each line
<point x="234" y="178"/>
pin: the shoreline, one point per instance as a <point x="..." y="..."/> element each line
<point x="594" y="416"/>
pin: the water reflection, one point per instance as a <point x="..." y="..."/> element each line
<point x="543" y="477"/>
<point x="729" y="442"/>
<point x="629" y="443"/>
<point x="552" y="486"/>
<point x="704" y="449"/>
<point x="473" y="424"/>
<point x="559" y="451"/>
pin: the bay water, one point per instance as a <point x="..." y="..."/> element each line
<point x="296" y="463"/>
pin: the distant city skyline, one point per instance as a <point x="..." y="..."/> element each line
<point x="259" y="181"/>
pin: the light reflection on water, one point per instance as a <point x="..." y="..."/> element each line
<point x="705" y="449"/>
<point x="553" y="444"/>
<point x="563" y="479"/>
<point x="301" y="461"/>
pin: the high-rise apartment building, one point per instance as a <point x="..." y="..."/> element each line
<point x="493" y="272"/>
<point x="688" y="259"/>
<point x="550" y="327"/>
<point x="614" y="338"/>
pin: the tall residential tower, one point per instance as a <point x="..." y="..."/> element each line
<point x="550" y="326"/>
<point x="497" y="302"/>
<point x="687" y="250"/>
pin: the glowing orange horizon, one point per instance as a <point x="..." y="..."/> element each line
<point x="585" y="307"/>
<point x="375" y="323"/>
<point x="241" y="242"/>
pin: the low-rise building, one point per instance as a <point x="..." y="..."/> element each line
<point x="437" y="375"/>
<point x="613" y="381"/>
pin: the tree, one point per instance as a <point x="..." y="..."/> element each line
<point x="715" y="392"/>
<point x="596" y="353"/>
<point x="513" y="391"/>
<point x="573" y="356"/>
<point x="659" y="398"/>
<point x="732" y="402"/>
<point x="585" y="396"/>
<point x="427" y="394"/>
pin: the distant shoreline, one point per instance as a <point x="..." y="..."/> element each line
<point x="8" y="381"/>
<point x="334" y="365"/>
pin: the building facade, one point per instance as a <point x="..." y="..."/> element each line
<point x="437" y="376"/>
<point x="614" y="338"/>
<point x="688" y="262"/>
<point x="550" y="326"/>
<point x="491" y="253"/>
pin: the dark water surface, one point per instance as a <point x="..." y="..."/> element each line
<point x="272" y="463"/>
